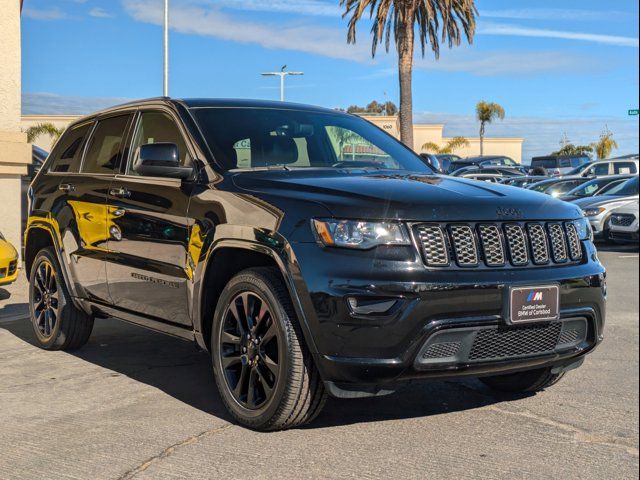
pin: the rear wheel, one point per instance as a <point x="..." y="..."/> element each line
<point x="57" y="323"/>
<point x="263" y="370"/>
<point x="522" y="382"/>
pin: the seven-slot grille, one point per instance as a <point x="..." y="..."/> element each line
<point x="497" y="245"/>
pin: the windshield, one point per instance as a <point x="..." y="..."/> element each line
<point x="590" y="188"/>
<point x="630" y="187"/>
<point x="246" y="138"/>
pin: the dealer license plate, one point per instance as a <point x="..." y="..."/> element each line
<point x="534" y="304"/>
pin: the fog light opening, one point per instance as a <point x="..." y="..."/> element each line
<point x="371" y="306"/>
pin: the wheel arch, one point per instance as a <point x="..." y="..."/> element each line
<point x="225" y="259"/>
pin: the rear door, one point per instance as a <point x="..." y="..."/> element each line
<point x="148" y="270"/>
<point x="83" y="221"/>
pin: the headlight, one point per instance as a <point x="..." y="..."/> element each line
<point x="583" y="227"/>
<point x="362" y="235"/>
<point x="593" y="212"/>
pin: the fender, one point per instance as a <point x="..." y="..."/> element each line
<point x="284" y="258"/>
<point x="50" y="225"/>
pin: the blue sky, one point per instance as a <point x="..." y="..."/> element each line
<point x="556" y="66"/>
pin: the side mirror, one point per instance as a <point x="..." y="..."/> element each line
<point x="160" y="160"/>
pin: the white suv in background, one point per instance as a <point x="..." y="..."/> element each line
<point x="611" y="166"/>
<point x="623" y="224"/>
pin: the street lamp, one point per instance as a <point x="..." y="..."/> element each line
<point x="282" y="73"/>
<point x="165" y="49"/>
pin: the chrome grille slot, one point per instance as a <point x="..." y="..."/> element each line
<point x="558" y="243"/>
<point x="464" y="245"/>
<point x="517" y="244"/>
<point x="539" y="243"/>
<point x="491" y="245"/>
<point x="575" y="249"/>
<point x="434" y="245"/>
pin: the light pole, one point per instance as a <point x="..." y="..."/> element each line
<point x="165" y="69"/>
<point x="282" y="73"/>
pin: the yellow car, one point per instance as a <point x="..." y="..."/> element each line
<point x="8" y="262"/>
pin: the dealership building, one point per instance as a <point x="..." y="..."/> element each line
<point x="15" y="152"/>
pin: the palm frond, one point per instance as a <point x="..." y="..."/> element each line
<point x="43" y="129"/>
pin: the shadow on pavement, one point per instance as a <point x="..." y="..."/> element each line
<point x="11" y="310"/>
<point x="618" y="248"/>
<point x="177" y="368"/>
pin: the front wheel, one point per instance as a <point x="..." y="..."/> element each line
<point x="263" y="370"/>
<point x="523" y="382"/>
<point x="57" y="323"/>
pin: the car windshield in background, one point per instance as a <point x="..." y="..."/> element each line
<point x="246" y="138"/>
<point x="628" y="188"/>
<point x="590" y="188"/>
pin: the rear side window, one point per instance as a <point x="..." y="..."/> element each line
<point x="66" y="156"/>
<point x="104" y="151"/>
<point x="544" y="162"/>
<point x="624" y="167"/>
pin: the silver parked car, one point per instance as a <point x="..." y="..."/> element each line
<point x="598" y="209"/>
<point x="612" y="166"/>
<point x="623" y="223"/>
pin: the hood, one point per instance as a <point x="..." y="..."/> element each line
<point x="404" y="196"/>
<point x="602" y="200"/>
<point x="628" y="208"/>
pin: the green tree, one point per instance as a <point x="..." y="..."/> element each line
<point x="375" y="107"/>
<point x="434" y="22"/>
<point x="574" y="150"/>
<point x="487" y="112"/>
<point x="605" y="145"/>
<point x="43" y="129"/>
<point x="451" y="146"/>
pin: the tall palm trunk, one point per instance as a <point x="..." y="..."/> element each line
<point x="405" y="67"/>
<point x="481" y="139"/>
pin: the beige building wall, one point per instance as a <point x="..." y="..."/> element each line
<point x="424" y="133"/>
<point x="15" y="152"/>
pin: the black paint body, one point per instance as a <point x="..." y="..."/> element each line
<point x="146" y="256"/>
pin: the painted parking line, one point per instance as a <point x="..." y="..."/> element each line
<point x="627" y="256"/>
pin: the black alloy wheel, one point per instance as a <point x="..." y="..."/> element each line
<point x="46" y="299"/>
<point x="249" y="350"/>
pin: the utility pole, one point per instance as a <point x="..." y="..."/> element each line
<point x="165" y="69"/>
<point x="282" y="73"/>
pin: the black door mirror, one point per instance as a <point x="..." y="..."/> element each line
<point x="160" y="160"/>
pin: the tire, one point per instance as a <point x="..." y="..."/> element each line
<point x="244" y="349"/>
<point x="57" y="323"/>
<point x="523" y="382"/>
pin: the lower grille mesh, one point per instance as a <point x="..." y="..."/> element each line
<point x="508" y="342"/>
<point x="442" y="350"/>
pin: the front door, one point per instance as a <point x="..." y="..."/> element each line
<point x="147" y="271"/>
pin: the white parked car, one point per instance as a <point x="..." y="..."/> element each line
<point x="623" y="223"/>
<point x="612" y="166"/>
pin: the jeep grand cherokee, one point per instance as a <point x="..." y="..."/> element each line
<point x="308" y="251"/>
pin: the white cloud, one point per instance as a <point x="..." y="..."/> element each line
<point x="51" y="104"/>
<point x="551" y="14"/>
<point x="301" y="7"/>
<point x="488" y="28"/>
<point x="44" y="14"/>
<point x="99" y="12"/>
<point x="194" y="19"/>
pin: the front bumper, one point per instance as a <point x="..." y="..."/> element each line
<point x="371" y="352"/>
<point x="9" y="271"/>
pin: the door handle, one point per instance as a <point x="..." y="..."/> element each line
<point x="66" y="187"/>
<point x="120" y="192"/>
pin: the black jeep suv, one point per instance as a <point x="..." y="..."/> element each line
<point x="308" y="251"/>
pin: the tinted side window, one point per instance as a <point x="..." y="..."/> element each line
<point x="601" y="169"/>
<point x="624" y="167"/>
<point x="158" y="127"/>
<point x="103" y="154"/>
<point x="67" y="153"/>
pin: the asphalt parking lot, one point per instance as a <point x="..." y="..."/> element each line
<point x="136" y="404"/>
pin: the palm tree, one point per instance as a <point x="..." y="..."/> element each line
<point x="436" y="21"/>
<point x="574" y="150"/>
<point x="604" y="146"/>
<point x="43" y="129"/>
<point x="487" y="112"/>
<point x="452" y="145"/>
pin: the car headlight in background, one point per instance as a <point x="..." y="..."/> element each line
<point x="583" y="227"/>
<point x="593" y="212"/>
<point x="357" y="234"/>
